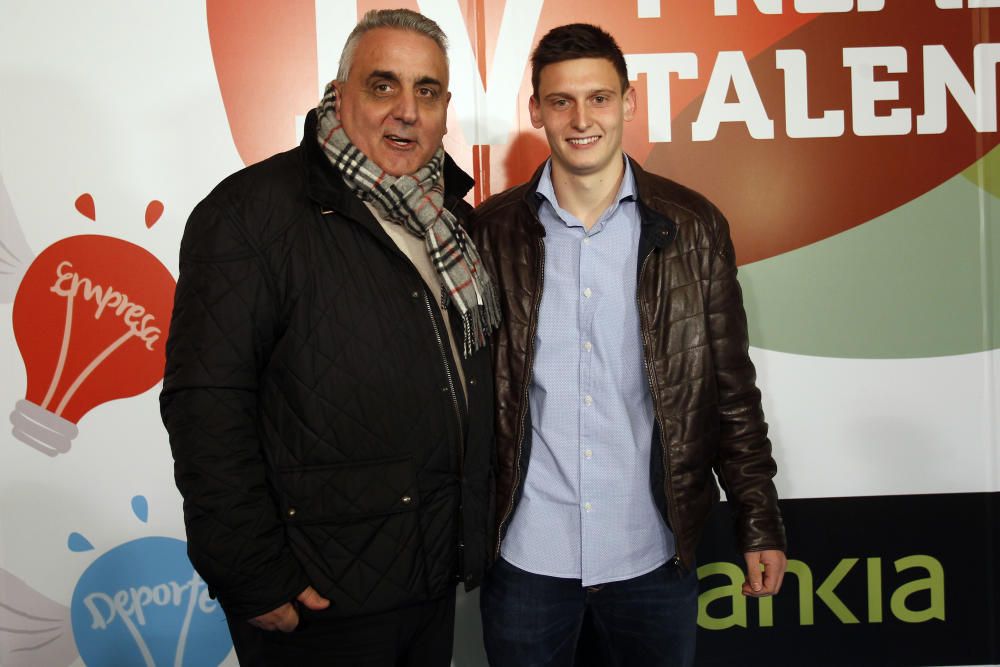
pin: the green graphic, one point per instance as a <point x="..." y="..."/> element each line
<point x="986" y="173"/>
<point x="722" y="605"/>
<point x="920" y="281"/>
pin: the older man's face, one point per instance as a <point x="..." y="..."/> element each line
<point x="394" y="104"/>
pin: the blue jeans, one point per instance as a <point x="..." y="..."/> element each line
<point x="530" y="620"/>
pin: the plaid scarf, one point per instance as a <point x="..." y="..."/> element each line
<point x="416" y="201"/>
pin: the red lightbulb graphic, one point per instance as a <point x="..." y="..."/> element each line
<point x="91" y="318"/>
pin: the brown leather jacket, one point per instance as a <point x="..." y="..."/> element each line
<point x="694" y="332"/>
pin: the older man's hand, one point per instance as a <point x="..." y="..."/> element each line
<point x="285" y="618"/>
<point x="767" y="582"/>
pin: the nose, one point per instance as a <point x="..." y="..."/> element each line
<point x="581" y="119"/>
<point x="405" y="110"/>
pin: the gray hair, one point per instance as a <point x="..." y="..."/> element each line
<point x="399" y="19"/>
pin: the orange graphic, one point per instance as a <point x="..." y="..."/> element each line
<point x="85" y="205"/>
<point x="153" y="212"/>
<point x="267" y="66"/>
<point x="785" y="193"/>
<point x="91" y="317"/>
<point x="780" y="192"/>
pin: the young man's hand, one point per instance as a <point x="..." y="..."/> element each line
<point x="758" y="583"/>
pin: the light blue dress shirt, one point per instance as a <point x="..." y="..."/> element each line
<point x="587" y="511"/>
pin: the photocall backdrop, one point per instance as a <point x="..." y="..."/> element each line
<point x="851" y="143"/>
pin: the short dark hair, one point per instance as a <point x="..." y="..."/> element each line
<point x="576" y="40"/>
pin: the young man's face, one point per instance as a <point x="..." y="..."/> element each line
<point x="394" y="104"/>
<point x="583" y="110"/>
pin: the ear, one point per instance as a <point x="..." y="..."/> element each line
<point x="629" y="102"/>
<point x="447" y="101"/>
<point x="339" y="87"/>
<point x="535" y="111"/>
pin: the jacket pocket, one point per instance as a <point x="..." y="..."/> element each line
<point x="356" y="531"/>
<point x="348" y="492"/>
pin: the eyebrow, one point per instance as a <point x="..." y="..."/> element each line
<point x="428" y="81"/>
<point x="383" y="74"/>
<point x="589" y="93"/>
<point x="392" y="76"/>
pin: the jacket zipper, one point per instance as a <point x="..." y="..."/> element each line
<point x="437" y="335"/>
<point x="656" y="404"/>
<point x="524" y="396"/>
<point x="451" y="381"/>
<point x="461" y="431"/>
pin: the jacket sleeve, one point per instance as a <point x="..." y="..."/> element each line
<point x="221" y="335"/>
<point x="744" y="466"/>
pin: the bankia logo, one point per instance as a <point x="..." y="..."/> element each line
<point x="806" y="115"/>
<point x="901" y="579"/>
<point x="914" y="588"/>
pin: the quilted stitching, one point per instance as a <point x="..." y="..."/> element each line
<point x="301" y="342"/>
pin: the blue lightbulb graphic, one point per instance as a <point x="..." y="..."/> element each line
<point x="142" y="604"/>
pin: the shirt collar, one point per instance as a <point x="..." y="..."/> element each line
<point x="626" y="191"/>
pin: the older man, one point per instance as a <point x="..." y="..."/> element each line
<point x="327" y="390"/>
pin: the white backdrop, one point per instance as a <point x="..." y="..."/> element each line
<point x="121" y="100"/>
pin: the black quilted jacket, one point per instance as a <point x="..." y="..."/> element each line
<point x="318" y="432"/>
<point x="695" y="346"/>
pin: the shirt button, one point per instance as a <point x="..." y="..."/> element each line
<point x="588" y="454"/>
<point x="588" y="400"/>
<point x="587" y="292"/>
<point x="588" y="346"/>
<point x="586" y="240"/>
<point x="587" y="506"/>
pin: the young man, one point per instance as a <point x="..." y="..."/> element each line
<point x="327" y="389"/>
<point x="622" y="381"/>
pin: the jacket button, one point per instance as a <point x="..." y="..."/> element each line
<point x="472" y="381"/>
<point x="406" y="500"/>
<point x="291" y="512"/>
<point x="415" y="294"/>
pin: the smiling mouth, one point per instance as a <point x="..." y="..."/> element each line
<point x="398" y="141"/>
<point x="583" y="141"/>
